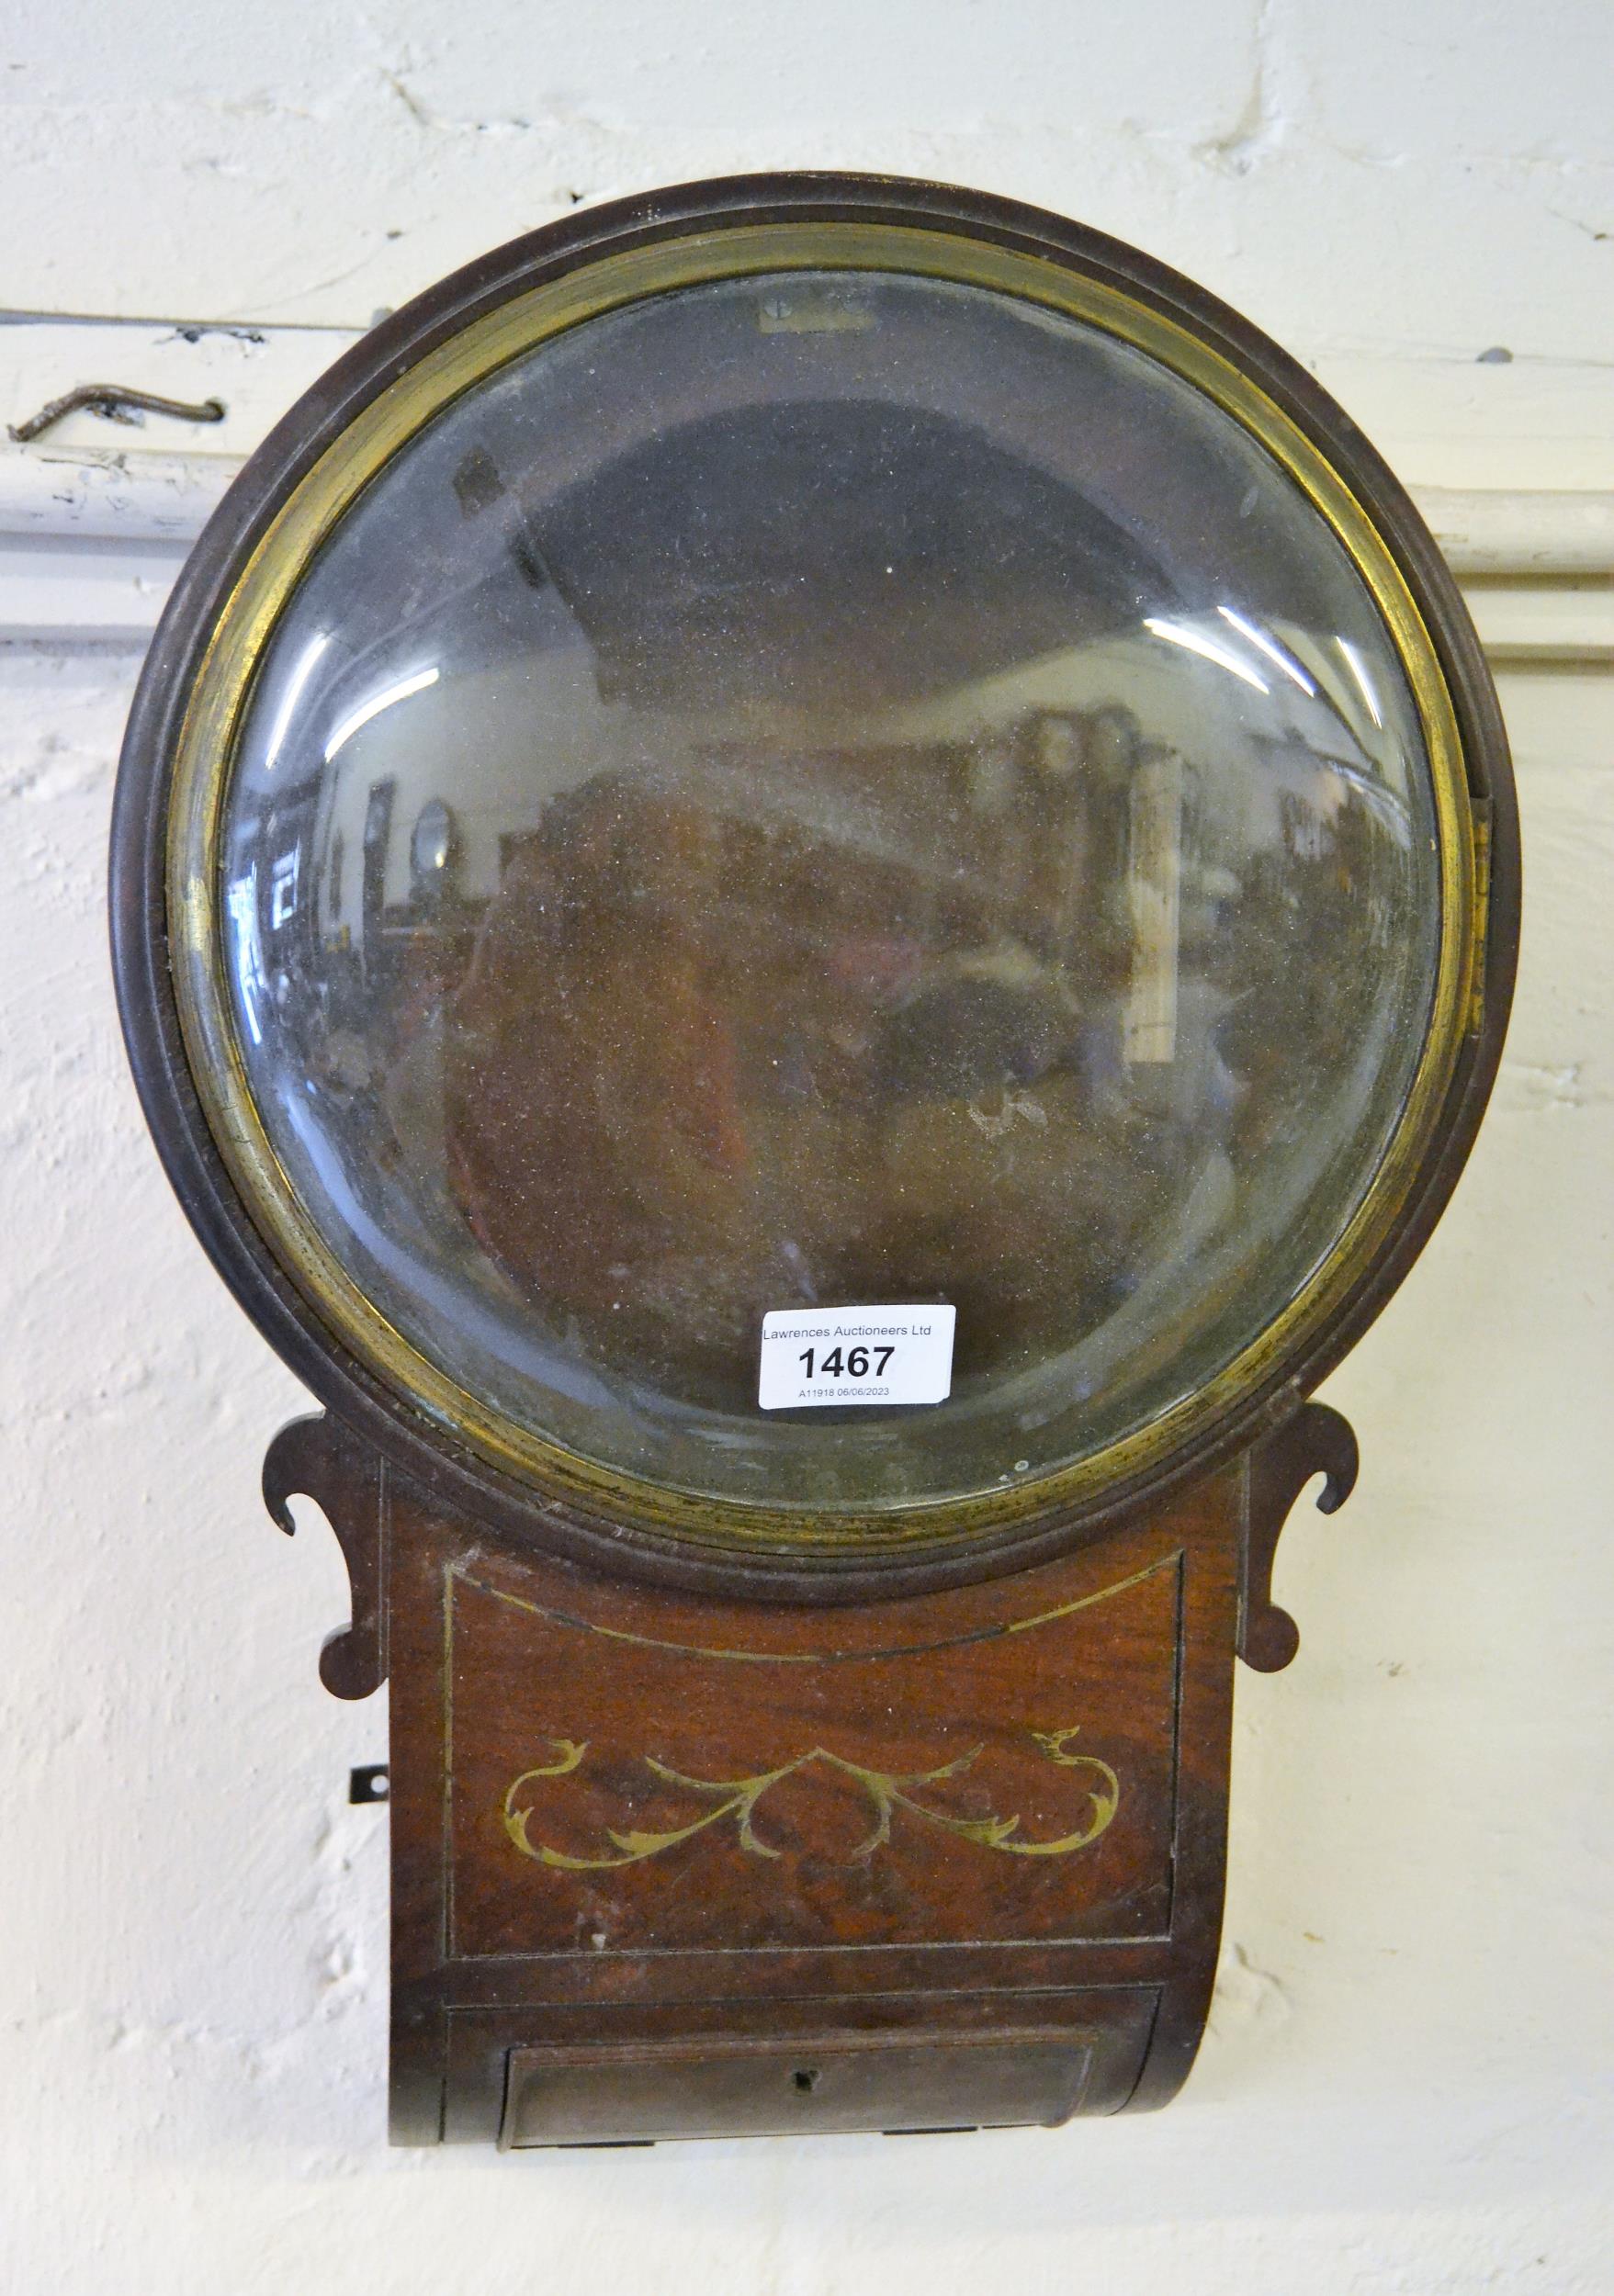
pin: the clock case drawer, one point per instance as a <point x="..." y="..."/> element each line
<point x="823" y="2082"/>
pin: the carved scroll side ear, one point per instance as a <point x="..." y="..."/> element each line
<point x="1316" y="1441"/>
<point x="318" y="1459"/>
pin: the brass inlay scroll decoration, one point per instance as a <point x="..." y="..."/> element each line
<point x="738" y="1798"/>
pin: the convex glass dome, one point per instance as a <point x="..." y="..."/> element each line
<point x="809" y="776"/>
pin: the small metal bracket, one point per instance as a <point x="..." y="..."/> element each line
<point x="371" y="1783"/>
<point x="118" y="403"/>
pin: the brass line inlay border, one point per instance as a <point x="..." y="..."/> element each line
<point x="445" y="1850"/>
<point x="993" y="1633"/>
<point x="454" y="1576"/>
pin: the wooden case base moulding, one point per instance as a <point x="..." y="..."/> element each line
<point x="666" y="1865"/>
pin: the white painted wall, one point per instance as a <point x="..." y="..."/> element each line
<point x="1407" y="2085"/>
<point x="1416" y="173"/>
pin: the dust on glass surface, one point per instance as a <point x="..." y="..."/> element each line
<point x="819" y="791"/>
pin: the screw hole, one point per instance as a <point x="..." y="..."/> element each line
<point x="806" y="2079"/>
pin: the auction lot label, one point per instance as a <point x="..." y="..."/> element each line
<point x="855" y="1356"/>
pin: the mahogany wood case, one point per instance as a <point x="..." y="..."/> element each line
<point x="738" y="1815"/>
<point x="665" y="1866"/>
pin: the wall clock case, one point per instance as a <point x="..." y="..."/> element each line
<point x="815" y="888"/>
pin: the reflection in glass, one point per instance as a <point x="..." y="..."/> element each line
<point x="830" y="790"/>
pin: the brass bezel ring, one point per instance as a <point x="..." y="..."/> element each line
<point x="203" y="759"/>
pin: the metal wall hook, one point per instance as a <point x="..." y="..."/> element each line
<point x="118" y="404"/>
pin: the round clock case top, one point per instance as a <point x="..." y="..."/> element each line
<point x="820" y="790"/>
